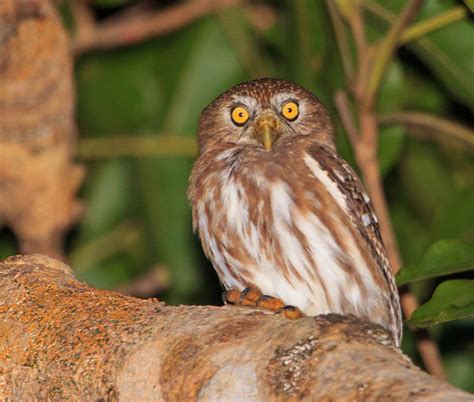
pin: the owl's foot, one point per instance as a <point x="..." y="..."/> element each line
<point x="255" y="298"/>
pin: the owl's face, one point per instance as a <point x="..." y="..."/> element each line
<point x="265" y="114"/>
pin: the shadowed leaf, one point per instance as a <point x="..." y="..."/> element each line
<point x="442" y="258"/>
<point x="452" y="300"/>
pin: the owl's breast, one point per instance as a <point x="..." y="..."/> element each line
<point x="283" y="232"/>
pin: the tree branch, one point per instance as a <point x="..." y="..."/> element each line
<point x="431" y="126"/>
<point x="61" y="339"/>
<point x="141" y="25"/>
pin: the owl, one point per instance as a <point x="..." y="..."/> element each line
<point x="279" y="212"/>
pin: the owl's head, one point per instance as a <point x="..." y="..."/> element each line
<point x="266" y="113"/>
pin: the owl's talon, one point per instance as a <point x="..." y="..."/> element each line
<point x="246" y="297"/>
<point x="254" y="298"/>
<point x="270" y="303"/>
<point x="231" y="296"/>
<point x="290" y="312"/>
<point x="250" y="297"/>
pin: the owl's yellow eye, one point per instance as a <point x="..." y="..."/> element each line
<point x="240" y="115"/>
<point x="290" y="111"/>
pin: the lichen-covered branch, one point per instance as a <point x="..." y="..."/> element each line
<point x="62" y="340"/>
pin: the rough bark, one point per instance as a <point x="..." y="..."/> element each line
<point x="62" y="340"/>
<point x="38" y="180"/>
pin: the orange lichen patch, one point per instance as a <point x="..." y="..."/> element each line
<point x="69" y="332"/>
<point x="37" y="127"/>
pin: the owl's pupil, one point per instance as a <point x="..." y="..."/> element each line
<point x="241" y="114"/>
<point x="290" y="110"/>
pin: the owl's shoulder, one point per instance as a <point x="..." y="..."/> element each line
<point x="348" y="183"/>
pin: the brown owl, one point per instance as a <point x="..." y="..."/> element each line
<point x="278" y="211"/>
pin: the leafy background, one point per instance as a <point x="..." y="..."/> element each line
<point x="137" y="110"/>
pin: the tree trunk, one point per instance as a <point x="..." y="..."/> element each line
<point x="38" y="180"/>
<point x="62" y="340"/>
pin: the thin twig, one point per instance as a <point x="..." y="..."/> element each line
<point x="341" y="39"/>
<point x="389" y="45"/>
<point x="434" y="126"/>
<point x="356" y="22"/>
<point x="119" y="32"/>
<point x="429" y="25"/>
<point x="136" y="146"/>
<point x="470" y="5"/>
<point x="84" y="21"/>
<point x="342" y="105"/>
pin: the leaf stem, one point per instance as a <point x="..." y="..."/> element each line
<point x="429" y="25"/>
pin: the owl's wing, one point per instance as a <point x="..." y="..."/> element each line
<point x="360" y="209"/>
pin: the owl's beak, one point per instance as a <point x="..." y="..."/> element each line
<point x="267" y="126"/>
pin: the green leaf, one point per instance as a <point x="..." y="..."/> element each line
<point x="442" y="258"/>
<point x="452" y="300"/>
